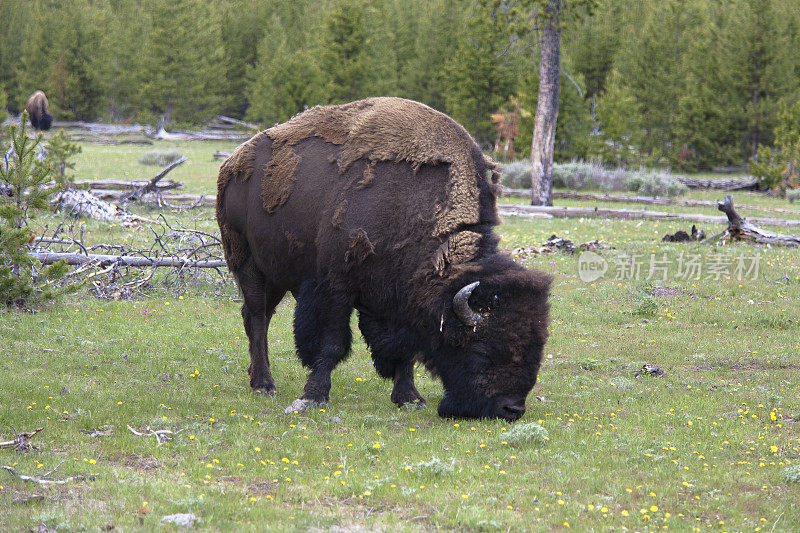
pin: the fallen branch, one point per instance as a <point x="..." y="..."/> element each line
<point x="161" y="185"/>
<point x="21" y="440"/>
<point x="230" y="120"/>
<point x="158" y="199"/>
<point x="161" y="435"/>
<point x="221" y="155"/>
<point x="535" y="211"/>
<point x="83" y="203"/>
<point x="45" y="481"/>
<point x="203" y="135"/>
<point x="647" y="200"/>
<point x="23" y="498"/>
<point x="151" y="185"/>
<point x="744" y="230"/>
<point x="720" y="185"/>
<point x="47" y="258"/>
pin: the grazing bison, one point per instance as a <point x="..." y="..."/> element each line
<point x="38" y="110"/>
<point x="386" y="206"/>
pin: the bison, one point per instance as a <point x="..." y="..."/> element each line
<point x="39" y="112"/>
<point x="385" y="206"/>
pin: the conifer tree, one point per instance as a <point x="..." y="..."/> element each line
<point x="480" y="77"/>
<point x="21" y="175"/>
<point x="182" y="73"/>
<point x="350" y="66"/>
<point x="284" y="81"/>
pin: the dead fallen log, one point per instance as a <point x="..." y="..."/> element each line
<point x="157" y="199"/>
<point x="150" y="186"/>
<point x="73" y="258"/>
<point x="236" y="122"/>
<point x="221" y="155"/>
<point x="94" y="139"/>
<point x="647" y="200"/>
<point x="731" y="184"/>
<point x="161" y="185"/>
<point x="740" y="229"/>
<point x="83" y="203"/>
<point x="536" y="211"/>
<point x="202" y="135"/>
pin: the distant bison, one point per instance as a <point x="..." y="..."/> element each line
<point x="38" y="110"/>
<point x="386" y="206"/>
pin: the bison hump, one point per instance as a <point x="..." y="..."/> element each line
<point x="384" y="129"/>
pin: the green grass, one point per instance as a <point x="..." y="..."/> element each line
<point x="712" y="445"/>
<point x="198" y="174"/>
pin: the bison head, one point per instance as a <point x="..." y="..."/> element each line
<point x="492" y="336"/>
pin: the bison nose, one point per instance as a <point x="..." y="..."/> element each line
<point x="512" y="410"/>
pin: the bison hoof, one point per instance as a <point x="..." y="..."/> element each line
<point x="266" y="390"/>
<point x="300" y="406"/>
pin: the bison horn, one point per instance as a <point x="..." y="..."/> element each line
<point x="461" y="306"/>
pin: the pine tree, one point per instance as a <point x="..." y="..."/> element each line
<point x="286" y="77"/>
<point x="182" y="70"/>
<point x="546" y="18"/>
<point x="480" y="77"/>
<point x="14" y="16"/>
<point x="779" y="168"/>
<point x="429" y="35"/>
<point x="21" y="175"/>
<point x="652" y="64"/>
<point x="245" y="26"/>
<point x="284" y="81"/>
<point x="350" y="67"/>
<point x="75" y="78"/>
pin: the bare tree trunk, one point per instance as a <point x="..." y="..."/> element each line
<point x="544" y="129"/>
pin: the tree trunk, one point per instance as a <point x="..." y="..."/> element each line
<point x="544" y="129"/>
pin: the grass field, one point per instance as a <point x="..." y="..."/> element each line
<point x="713" y="445"/>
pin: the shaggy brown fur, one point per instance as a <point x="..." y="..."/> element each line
<point x="386" y="129"/>
<point x="39" y="111"/>
<point x="279" y="177"/>
<point x="360" y="247"/>
<point x="459" y="247"/>
<point x="369" y="175"/>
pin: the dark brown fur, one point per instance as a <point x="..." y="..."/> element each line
<point x="39" y="111"/>
<point x="391" y="210"/>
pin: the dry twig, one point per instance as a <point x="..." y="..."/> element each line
<point x="161" y="435"/>
<point x="22" y="440"/>
<point x="45" y="481"/>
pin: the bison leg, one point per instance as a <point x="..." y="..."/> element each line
<point x="392" y="351"/>
<point x="404" y="392"/>
<point x="259" y="305"/>
<point x="323" y="338"/>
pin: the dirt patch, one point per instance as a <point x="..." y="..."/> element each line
<point x="140" y="462"/>
<point x="262" y="487"/>
<point x="669" y="292"/>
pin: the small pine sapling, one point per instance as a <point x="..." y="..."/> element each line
<point x="22" y="280"/>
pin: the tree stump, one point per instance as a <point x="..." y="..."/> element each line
<point x="740" y="229"/>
